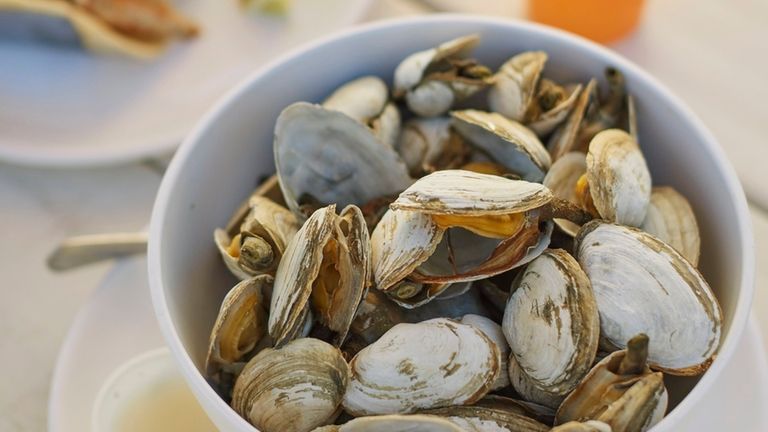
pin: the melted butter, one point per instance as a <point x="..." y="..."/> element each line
<point x="166" y="406"/>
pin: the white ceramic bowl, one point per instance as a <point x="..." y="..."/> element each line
<point x="231" y="148"/>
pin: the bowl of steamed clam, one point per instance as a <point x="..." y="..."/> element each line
<point x="450" y="224"/>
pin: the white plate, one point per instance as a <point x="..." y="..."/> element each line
<point x="117" y="323"/>
<point x="63" y="107"/>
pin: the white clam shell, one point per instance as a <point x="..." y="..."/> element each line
<point x="561" y="180"/>
<point x="551" y="322"/>
<point x="239" y="326"/>
<point x="293" y="389"/>
<point x="506" y="141"/>
<point x="643" y="285"/>
<point x="587" y="426"/>
<point x="549" y="120"/>
<point x="671" y="219"/>
<point x="431" y="364"/>
<point x="515" y="84"/>
<point x="563" y="140"/>
<point x="293" y="280"/>
<point x="463" y="192"/>
<point x="430" y="99"/>
<point x="386" y="127"/>
<point x="362" y="99"/>
<point x="493" y="332"/>
<point x="619" y="180"/>
<point x="331" y="157"/>
<point x="400" y="242"/>
<point x="410" y="71"/>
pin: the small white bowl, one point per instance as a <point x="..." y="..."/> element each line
<point x="147" y="393"/>
<point x="231" y="147"/>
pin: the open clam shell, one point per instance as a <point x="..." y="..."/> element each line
<point x="325" y="157"/>
<point x="643" y="285"/>
<point x="494" y="333"/>
<point x="515" y="84"/>
<point x="328" y="261"/>
<point x="563" y="140"/>
<point x="561" y="180"/>
<point x="493" y="225"/>
<point x="431" y="364"/>
<point x="432" y="80"/>
<point x="256" y="243"/>
<point x="552" y="324"/>
<point x="430" y="144"/>
<point x="239" y="327"/>
<point x="619" y="180"/>
<point x="292" y="389"/>
<point x="548" y="118"/>
<point x="620" y="391"/>
<point x="587" y="426"/>
<point x="505" y="141"/>
<point x="670" y="218"/>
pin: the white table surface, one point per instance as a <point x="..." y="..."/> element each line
<point x="711" y="53"/>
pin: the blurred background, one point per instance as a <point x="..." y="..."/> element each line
<point x="710" y="53"/>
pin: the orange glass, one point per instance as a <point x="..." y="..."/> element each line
<point x="600" y="20"/>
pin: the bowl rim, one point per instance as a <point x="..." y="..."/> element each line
<point x="208" y="396"/>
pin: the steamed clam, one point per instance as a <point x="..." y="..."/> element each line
<point x="617" y="184"/>
<point x="292" y="389"/>
<point x="432" y="364"/>
<point x="671" y="219"/>
<point x="504" y="230"/>
<point x="483" y="317"/>
<point x="325" y="157"/>
<point x="431" y="81"/>
<point x="366" y="100"/>
<point x="643" y="285"/>
<point x="551" y="323"/>
<point x="257" y="234"/>
<point x="620" y="391"/>
<point x="327" y="265"/>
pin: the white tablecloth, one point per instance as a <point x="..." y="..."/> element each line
<point x="686" y="43"/>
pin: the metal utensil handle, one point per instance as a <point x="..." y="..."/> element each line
<point x="77" y="251"/>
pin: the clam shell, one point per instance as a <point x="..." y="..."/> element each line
<point x="430" y="99"/>
<point x="239" y="326"/>
<point x="515" y="84"/>
<point x="362" y="99"/>
<point x="618" y="177"/>
<point x="549" y="120"/>
<point x="223" y="241"/>
<point x="626" y="400"/>
<point x="643" y="285"/>
<point x="459" y="192"/>
<point x="395" y="423"/>
<point x="399" y="243"/>
<point x="386" y="127"/>
<point x="292" y="389"/>
<point x="409" y="72"/>
<point x="551" y="322"/>
<point x="329" y="262"/>
<point x="420" y="366"/>
<point x="561" y="180"/>
<point x="298" y="270"/>
<point x="494" y="333"/>
<point x="325" y="155"/>
<point x="429" y="144"/>
<point x="505" y="141"/>
<point x="563" y="140"/>
<point x="670" y="218"/>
